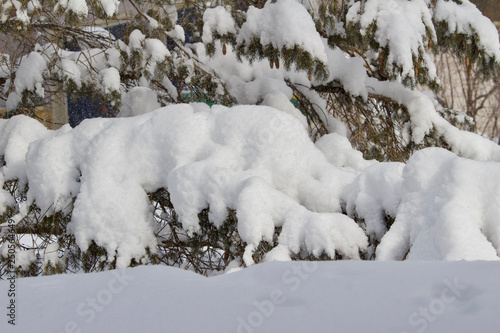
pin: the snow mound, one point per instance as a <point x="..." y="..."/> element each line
<point x="457" y="297"/>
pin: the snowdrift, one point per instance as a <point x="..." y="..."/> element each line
<point x="342" y="296"/>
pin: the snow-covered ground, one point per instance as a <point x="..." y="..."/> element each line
<point x="341" y="296"/>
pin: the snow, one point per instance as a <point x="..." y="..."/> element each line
<point x="110" y="6"/>
<point x="260" y="162"/>
<point x="465" y="18"/>
<point x="110" y="80"/>
<point x="50" y="257"/>
<point x="251" y="84"/>
<point x="136" y="39"/>
<point x="61" y="173"/>
<point x="217" y="20"/>
<point x="15" y="137"/>
<point x="354" y="296"/>
<point x="93" y="67"/>
<point x="34" y="5"/>
<point x="400" y="25"/>
<point x="156" y="49"/>
<point x="137" y="101"/>
<point x="280" y="101"/>
<point x="71" y="72"/>
<point x="350" y="72"/>
<point x="439" y="212"/>
<point x="177" y="33"/>
<point x="24" y="258"/>
<point x="99" y="32"/>
<point x="20" y="10"/>
<point x="78" y="7"/>
<point x="257" y="160"/>
<point x="457" y="201"/>
<point x="246" y="158"/>
<point x="376" y="192"/>
<point x="29" y="76"/>
<point x="339" y="152"/>
<point x="6" y="199"/>
<point x="283" y="24"/>
<point x="424" y="118"/>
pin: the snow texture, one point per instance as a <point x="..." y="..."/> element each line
<point x="348" y="296"/>
<point x="450" y="210"/>
<point x="110" y="80"/>
<point x="50" y="256"/>
<point x="137" y="101"/>
<point x="257" y="160"/>
<point x="110" y="6"/>
<point x="136" y="39"/>
<point x="283" y="24"/>
<point x="339" y="152"/>
<point x="375" y="193"/>
<point x="177" y="33"/>
<point x="217" y="20"/>
<point x="349" y="71"/>
<point x="251" y="84"/>
<point x="465" y="18"/>
<point x="78" y="7"/>
<point x="401" y="26"/>
<point x="29" y="76"/>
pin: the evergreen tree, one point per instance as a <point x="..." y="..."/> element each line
<point x="355" y="68"/>
<point x="392" y="40"/>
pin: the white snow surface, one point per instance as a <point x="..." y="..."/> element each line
<point x="349" y="71"/>
<point x="136" y="39"/>
<point x="29" y="74"/>
<point x="433" y="297"/>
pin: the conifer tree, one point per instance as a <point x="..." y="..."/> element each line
<point x="356" y="68"/>
<point x="392" y="40"/>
